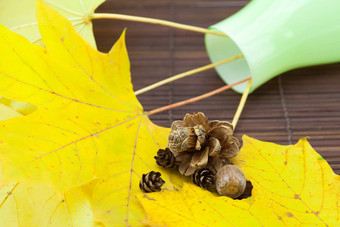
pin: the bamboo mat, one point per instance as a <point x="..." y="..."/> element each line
<point x="300" y="103"/>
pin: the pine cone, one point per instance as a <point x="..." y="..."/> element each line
<point x="204" y="178"/>
<point x="195" y="140"/>
<point x="223" y="131"/>
<point x="187" y="139"/>
<point x="165" y="158"/>
<point x="151" y="182"/>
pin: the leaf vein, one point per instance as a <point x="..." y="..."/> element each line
<point x="63" y="8"/>
<point x="89" y="75"/>
<point x="131" y="169"/>
<point x="8" y="195"/>
<point x="85" y="137"/>
<point x="65" y="97"/>
<point x="67" y="211"/>
<point x="17" y="210"/>
<point x="213" y="208"/>
<point x="153" y="138"/>
<point x="179" y="214"/>
<point x="284" y="181"/>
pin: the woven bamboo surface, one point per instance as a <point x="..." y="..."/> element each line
<point x="299" y="103"/>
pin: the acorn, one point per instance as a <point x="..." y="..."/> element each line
<point x="230" y="181"/>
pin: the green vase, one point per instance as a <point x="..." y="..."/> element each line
<point x="275" y="36"/>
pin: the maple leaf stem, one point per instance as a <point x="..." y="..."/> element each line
<point x="185" y="74"/>
<point x="241" y="104"/>
<point x="155" y="21"/>
<point x="195" y="99"/>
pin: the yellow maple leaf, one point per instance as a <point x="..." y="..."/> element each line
<point x="19" y="16"/>
<point x="292" y="186"/>
<point x="40" y="205"/>
<point x="81" y="94"/>
<point x="88" y="124"/>
<point x="80" y="155"/>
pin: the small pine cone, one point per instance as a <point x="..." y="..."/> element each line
<point x="165" y="158"/>
<point x="151" y="182"/>
<point x="204" y="178"/>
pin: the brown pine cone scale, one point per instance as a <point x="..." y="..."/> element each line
<point x="165" y="158"/>
<point x="151" y="182"/>
<point x="204" y="178"/>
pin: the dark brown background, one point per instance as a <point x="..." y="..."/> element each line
<point x="303" y="102"/>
